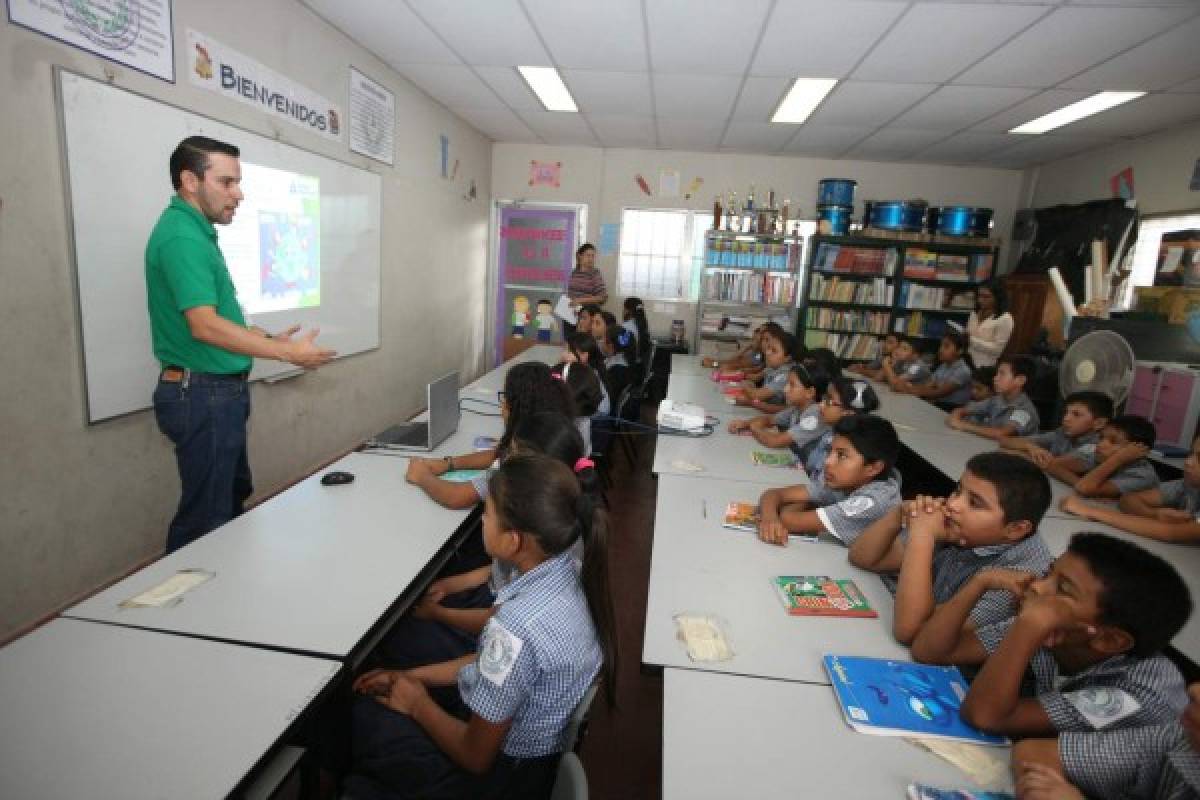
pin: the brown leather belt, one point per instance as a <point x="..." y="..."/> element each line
<point x="173" y="374"/>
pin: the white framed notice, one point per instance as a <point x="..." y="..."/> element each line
<point x="136" y="33"/>
<point x="372" y="118"/>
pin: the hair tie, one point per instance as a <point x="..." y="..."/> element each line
<point x="558" y="376"/>
<point x="584" y="463"/>
<point x="860" y="388"/>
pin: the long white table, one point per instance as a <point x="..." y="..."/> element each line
<point x="730" y="736"/>
<point x="699" y="566"/>
<point x="106" y="711"/>
<point x="687" y="364"/>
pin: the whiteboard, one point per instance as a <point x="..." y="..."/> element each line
<point x="116" y="145"/>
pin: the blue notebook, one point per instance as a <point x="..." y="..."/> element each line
<point x="900" y="698"/>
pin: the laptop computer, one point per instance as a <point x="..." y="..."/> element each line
<point x="441" y="398"/>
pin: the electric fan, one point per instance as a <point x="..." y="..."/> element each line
<point x="1100" y="361"/>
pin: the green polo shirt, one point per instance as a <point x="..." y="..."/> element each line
<point x="185" y="269"/>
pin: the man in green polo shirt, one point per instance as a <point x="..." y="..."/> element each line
<point x="202" y="342"/>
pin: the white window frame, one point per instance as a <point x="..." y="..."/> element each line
<point x="1151" y="228"/>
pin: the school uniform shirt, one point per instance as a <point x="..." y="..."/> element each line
<point x="615" y="360"/>
<point x="605" y="407"/>
<point x="1129" y="478"/>
<point x="631" y="326"/>
<point x="1177" y="494"/>
<point x="480" y="482"/>
<point x="846" y="516"/>
<point x="996" y="412"/>
<point x="814" y="464"/>
<point x="584" y="426"/>
<point x="1058" y="443"/>
<point x="957" y="374"/>
<point x="953" y="566"/>
<point x="1155" y="762"/>
<point x="804" y="426"/>
<point x="914" y="371"/>
<point x="1120" y="692"/>
<point x="775" y="379"/>
<point x="537" y="657"/>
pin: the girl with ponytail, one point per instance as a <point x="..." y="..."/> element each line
<point x="498" y="732"/>
<point x="634" y="315"/>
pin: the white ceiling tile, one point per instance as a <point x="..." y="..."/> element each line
<point x="757" y="137"/>
<point x="1156" y="64"/>
<point x="966" y="147"/>
<point x="1042" y="149"/>
<point x="936" y="41"/>
<point x="1184" y="3"/>
<point x="511" y="87"/>
<point x="559" y="127"/>
<point x="589" y="35"/>
<point x="455" y="86"/>
<point x="695" y="134"/>
<point x="821" y="38"/>
<point x="1067" y="42"/>
<point x="1140" y="117"/>
<point x="821" y="140"/>
<point x="623" y="131"/>
<point x="609" y="92"/>
<point x="485" y="32"/>
<point x="388" y="29"/>
<point x="954" y="107"/>
<point x="759" y="98"/>
<point x="895" y="143"/>
<point x="864" y="103"/>
<point x="1186" y="86"/>
<point x="1031" y="109"/>
<point x="694" y="96"/>
<point x="501" y="124"/>
<point x="711" y="38"/>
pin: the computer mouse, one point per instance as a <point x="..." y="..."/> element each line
<point x="336" y="478"/>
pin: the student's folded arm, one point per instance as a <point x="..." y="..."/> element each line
<point x="879" y="548"/>
<point x="772" y="500"/>
<point x="443" y="673"/>
<point x="948" y="636"/>
<point x="1096" y="483"/>
<point x="460" y="582"/>
<point x="469" y="620"/>
<point x="914" y="588"/>
<point x="768" y="407"/>
<point x="1064" y="469"/>
<point x="1036" y="751"/>
<point x="934" y="390"/>
<point x="1185" y="532"/>
<point x="994" y="702"/>
<point x="1145" y="503"/>
<point x="472" y="745"/>
<point x="772" y="438"/>
<point x="1017" y="443"/>
<point x="995" y="434"/>
<point x="449" y="493"/>
<point x="480" y="460"/>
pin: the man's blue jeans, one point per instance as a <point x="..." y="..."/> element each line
<point x="205" y="418"/>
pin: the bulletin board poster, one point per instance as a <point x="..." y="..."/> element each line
<point x="536" y="256"/>
<point x="136" y="33"/>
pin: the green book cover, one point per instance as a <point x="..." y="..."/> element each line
<point x="780" y="458"/>
<point x="821" y="596"/>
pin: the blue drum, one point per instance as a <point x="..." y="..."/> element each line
<point x="835" y="192"/>
<point x="834" y="220"/>
<point x="897" y="215"/>
<point x="964" y="221"/>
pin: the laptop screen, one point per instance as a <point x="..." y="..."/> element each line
<point x="443" y="408"/>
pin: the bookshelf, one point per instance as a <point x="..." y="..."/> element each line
<point x="859" y="288"/>
<point x="748" y="279"/>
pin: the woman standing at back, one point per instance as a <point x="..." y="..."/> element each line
<point x="586" y="286"/>
<point x="990" y="326"/>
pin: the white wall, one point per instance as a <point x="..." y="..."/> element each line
<point x="604" y="179"/>
<point x="80" y="504"/>
<point x="1162" y="169"/>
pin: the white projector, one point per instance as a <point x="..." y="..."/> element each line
<point x="680" y="416"/>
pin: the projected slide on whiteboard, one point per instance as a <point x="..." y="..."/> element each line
<point x="303" y="247"/>
<point x="273" y="245"/>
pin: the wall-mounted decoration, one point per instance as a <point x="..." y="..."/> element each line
<point x="1195" y="184"/>
<point x="372" y="118"/>
<point x="545" y="173"/>
<point x="472" y="193"/>
<point x="1122" y="184"/>
<point x="668" y="183"/>
<point x="137" y="35"/>
<point x="693" y="187"/>
<point x="610" y="238"/>
<point x="444" y="140"/>
<point x="641" y="182"/>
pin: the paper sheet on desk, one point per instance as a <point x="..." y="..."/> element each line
<point x="171" y="591"/>
<point x="987" y="766"/>
<point x="704" y="637"/>
<point x="563" y="310"/>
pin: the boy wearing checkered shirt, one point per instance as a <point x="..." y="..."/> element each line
<point x="1169" y="513"/>
<point x="1091" y="631"/>
<point x="990" y="521"/>
<point x="1084" y="415"/>
<point x="859" y="486"/>
<point x="1115" y="465"/>
<point x="1009" y="412"/>
<point x="1157" y="762"/>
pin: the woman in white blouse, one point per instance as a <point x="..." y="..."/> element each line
<point x="990" y="325"/>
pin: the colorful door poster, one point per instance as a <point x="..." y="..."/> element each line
<point x="536" y="256"/>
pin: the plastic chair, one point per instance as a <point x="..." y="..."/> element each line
<point x="573" y="734"/>
<point x="571" y="781"/>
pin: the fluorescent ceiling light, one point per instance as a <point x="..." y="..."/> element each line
<point x="804" y="96"/>
<point x="548" y="85"/>
<point x="1101" y="101"/>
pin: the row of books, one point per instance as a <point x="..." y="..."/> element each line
<point x="915" y="295"/>
<point x="853" y="346"/>
<point x="918" y="324"/>
<point x="738" y="325"/>
<point x="928" y="265"/>
<point x="858" y="321"/>
<point x="752" y="255"/>
<point x="856" y="260"/>
<point x="873" y="292"/>
<point x="750" y="287"/>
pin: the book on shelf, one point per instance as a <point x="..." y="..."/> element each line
<point x="843" y="320"/>
<point x="855" y="260"/>
<point x="952" y="267"/>
<point x="918" y="324"/>
<point x="852" y="346"/>
<point x="877" y="291"/>
<point x="750" y="287"/>
<point x="919" y="263"/>
<point x="726" y="252"/>
<point x="900" y="698"/>
<point x="981" y="266"/>
<point x="915" y="295"/>
<point x="821" y="596"/>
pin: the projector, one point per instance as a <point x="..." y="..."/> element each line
<point x="680" y="416"/>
